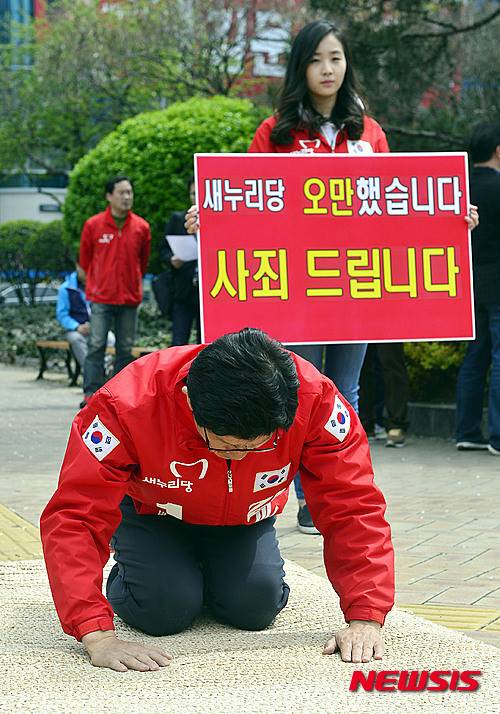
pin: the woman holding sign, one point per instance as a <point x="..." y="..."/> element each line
<point x="320" y="111"/>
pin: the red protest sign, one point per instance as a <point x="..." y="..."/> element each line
<point x="335" y="248"/>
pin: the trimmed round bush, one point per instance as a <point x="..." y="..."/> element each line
<point x="155" y="149"/>
<point x="16" y="239"/>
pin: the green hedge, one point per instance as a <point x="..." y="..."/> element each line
<point x="433" y="369"/>
<point x="21" y="326"/>
<point x="156" y="150"/>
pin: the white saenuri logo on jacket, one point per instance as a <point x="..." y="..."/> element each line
<point x="105" y="238"/>
<point x="339" y="421"/>
<point x="203" y="462"/>
<point x="174" y="509"/>
<point x="307" y="146"/>
<point x="99" y="440"/>
<point x="268" y="479"/>
<point x="180" y="481"/>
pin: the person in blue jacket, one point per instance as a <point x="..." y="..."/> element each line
<point x="73" y="313"/>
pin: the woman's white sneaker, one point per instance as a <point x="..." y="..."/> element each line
<point x="471" y="445"/>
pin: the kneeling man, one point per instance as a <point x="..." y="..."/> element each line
<point x="184" y="459"/>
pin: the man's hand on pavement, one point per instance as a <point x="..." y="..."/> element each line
<point x="106" y="650"/>
<point x="358" y="642"/>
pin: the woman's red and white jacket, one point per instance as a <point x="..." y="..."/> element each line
<point x="372" y="140"/>
<point x="137" y="436"/>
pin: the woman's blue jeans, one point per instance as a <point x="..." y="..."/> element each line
<point x="340" y="363"/>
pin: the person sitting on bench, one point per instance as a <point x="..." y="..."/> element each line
<point x="73" y="313"/>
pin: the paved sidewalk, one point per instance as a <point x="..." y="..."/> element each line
<point x="442" y="506"/>
<point x="19" y="540"/>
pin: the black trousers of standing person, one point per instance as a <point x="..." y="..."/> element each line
<point x="184" y="314"/>
<point x="391" y="358"/>
<point x="167" y="570"/>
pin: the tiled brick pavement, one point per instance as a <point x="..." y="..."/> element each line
<point x="442" y="505"/>
<point x="19" y="540"/>
<point x="443" y="510"/>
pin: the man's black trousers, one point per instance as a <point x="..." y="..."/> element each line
<point x="167" y="570"/>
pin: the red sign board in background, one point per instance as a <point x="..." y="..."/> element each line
<point x="323" y="249"/>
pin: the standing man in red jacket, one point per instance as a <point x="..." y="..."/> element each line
<point x="186" y="457"/>
<point x="114" y="253"/>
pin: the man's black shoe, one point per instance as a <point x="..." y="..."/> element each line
<point x="305" y="522"/>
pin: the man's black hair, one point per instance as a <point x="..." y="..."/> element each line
<point x="110" y="185"/>
<point x="244" y="384"/>
<point x="483" y="142"/>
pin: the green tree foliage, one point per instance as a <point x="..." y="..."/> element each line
<point x="30" y="252"/>
<point x="156" y="150"/>
<point x="429" y="69"/>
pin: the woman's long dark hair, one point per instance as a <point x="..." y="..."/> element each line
<point x="295" y="110"/>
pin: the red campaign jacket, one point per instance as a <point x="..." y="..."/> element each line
<point x="138" y="437"/>
<point x="115" y="260"/>
<point x="373" y="140"/>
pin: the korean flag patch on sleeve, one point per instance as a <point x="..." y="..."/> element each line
<point x="339" y="421"/>
<point x="99" y="440"/>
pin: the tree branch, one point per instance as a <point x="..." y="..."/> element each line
<point x="439" y="23"/>
<point x="53" y="196"/>
<point x="44" y="165"/>
<point x="453" y="30"/>
<point x="422" y="133"/>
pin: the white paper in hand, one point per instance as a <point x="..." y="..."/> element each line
<point x="183" y="247"/>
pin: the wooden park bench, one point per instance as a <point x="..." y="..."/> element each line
<point x="46" y="347"/>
